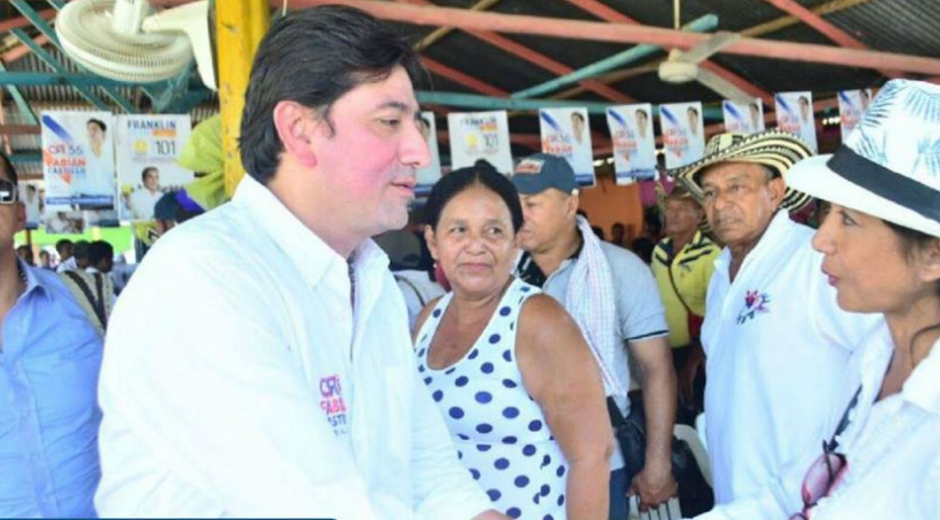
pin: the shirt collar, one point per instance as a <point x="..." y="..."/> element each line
<point x="312" y="257"/>
<point x="33" y="282"/>
<point x="778" y="227"/>
<point x="922" y="387"/>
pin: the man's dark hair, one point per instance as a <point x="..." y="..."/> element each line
<point x="577" y="115"/>
<point x="100" y="123"/>
<point x="143" y="174"/>
<point x="313" y="57"/>
<point x="8" y="168"/>
<point x="480" y="174"/>
<point x="63" y="243"/>
<point x="81" y="249"/>
<point x="98" y="251"/>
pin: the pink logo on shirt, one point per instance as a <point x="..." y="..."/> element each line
<point x="332" y="404"/>
<point x="755" y="302"/>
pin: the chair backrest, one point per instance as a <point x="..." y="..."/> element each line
<point x="691" y="437"/>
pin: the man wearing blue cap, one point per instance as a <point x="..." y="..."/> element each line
<point x="612" y="295"/>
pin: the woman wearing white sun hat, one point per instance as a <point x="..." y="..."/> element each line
<point x="881" y="243"/>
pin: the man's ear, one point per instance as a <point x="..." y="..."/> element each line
<point x="296" y="127"/>
<point x="930" y="262"/>
<point x="778" y="189"/>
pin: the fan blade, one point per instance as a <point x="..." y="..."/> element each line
<point x="722" y="86"/>
<point x="702" y="51"/>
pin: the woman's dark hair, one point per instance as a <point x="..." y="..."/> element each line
<point x="481" y="174"/>
<point x="911" y="241"/>
<point x="313" y="57"/>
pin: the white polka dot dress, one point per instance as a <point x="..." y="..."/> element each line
<point x="499" y="430"/>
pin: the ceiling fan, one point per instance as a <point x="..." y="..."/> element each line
<point x="125" y="40"/>
<point x="683" y="66"/>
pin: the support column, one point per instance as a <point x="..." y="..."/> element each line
<point x="240" y="25"/>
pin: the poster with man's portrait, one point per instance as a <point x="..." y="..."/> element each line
<point x="683" y="133"/>
<point x="148" y="148"/>
<point x="631" y="131"/>
<point x="78" y="159"/>
<point x="566" y="132"/>
<point x="795" y="115"/>
<point x="852" y="106"/>
<point x="743" y="117"/>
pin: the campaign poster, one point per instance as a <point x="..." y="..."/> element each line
<point x="78" y="159"/>
<point x="743" y="117"/>
<point x="631" y="131"/>
<point x="566" y="132"/>
<point x="148" y="147"/>
<point x="480" y="135"/>
<point x="795" y="115"/>
<point x="31" y="196"/>
<point x="427" y="176"/>
<point x="683" y="133"/>
<point x="63" y="220"/>
<point x="852" y="106"/>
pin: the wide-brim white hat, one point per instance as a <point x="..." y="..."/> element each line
<point x="889" y="166"/>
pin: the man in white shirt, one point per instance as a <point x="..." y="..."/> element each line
<point x="259" y="362"/>
<point x="142" y="200"/>
<point x="776" y="342"/>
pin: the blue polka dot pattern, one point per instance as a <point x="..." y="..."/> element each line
<point x="560" y="471"/>
<point x="436" y="313"/>
<point x="499" y="430"/>
<point x="428" y="380"/>
<point x="561" y="500"/>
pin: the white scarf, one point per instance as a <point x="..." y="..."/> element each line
<point x="590" y="301"/>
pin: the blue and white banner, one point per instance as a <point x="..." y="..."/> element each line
<point x="683" y="133"/>
<point x="795" y="115"/>
<point x="631" y="131"/>
<point x="78" y="159"/>
<point x="852" y="106"/>
<point x="148" y="148"/>
<point x="566" y="132"/>
<point x="430" y="174"/>
<point x="743" y="117"/>
<point x="480" y="135"/>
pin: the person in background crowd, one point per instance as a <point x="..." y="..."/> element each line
<point x="682" y="264"/>
<point x="881" y="247"/>
<point x="25" y="252"/>
<point x="508" y="368"/>
<point x="45" y="260"/>
<point x="771" y="319"/>
<point x="612" y="296"/>
<point x="49" y="361"/>
<point x="618" y="234"/>
<point x="288" y="386"/>
<point x="100" y="257"/>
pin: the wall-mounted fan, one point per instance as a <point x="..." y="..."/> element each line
<point x="125" y="40"/>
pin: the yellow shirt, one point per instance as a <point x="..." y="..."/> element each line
<point x="691" y="269"/>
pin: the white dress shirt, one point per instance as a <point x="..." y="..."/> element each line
<point x="777" y="345"/>
<point x="238" y="381"/>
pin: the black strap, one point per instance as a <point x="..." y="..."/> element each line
<point x="97" y="305"/>
<point x="616" y="417"/>
<point x="414" y="288"/>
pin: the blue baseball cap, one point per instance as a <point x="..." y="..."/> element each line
<point x="542" y="171"/>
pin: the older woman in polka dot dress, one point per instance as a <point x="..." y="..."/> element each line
<point x="509" y="369"/>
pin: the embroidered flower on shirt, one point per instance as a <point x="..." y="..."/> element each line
<point x="755" y="302"/>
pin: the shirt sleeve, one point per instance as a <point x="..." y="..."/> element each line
<point x="442" y="485"/>
<point x="639" y="305"/>
<point x="213" y="393"/>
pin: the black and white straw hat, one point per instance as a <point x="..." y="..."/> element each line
<point x="889" y="166"/>
<point x="774" y="148"/>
